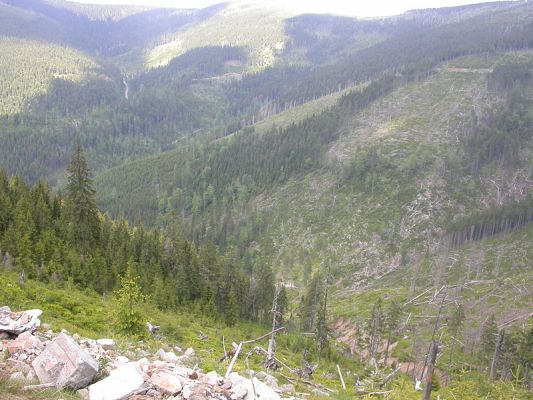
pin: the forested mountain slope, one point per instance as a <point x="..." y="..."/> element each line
<point x="388" y="161"/>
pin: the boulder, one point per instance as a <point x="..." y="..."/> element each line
<point x="120" y="383"/>
<point x="65" y="364"/>
<point x="287" y="388"/>
<point x="240" y="383"/>
<point x="271" y="381"/>
<point x="166" y="383"/>
<point x="24" y="342"/>
<point x="19" y="322"/>
<point x="211" y="379"/>
<point x="168" y="357"/>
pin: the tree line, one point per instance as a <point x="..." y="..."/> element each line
<point x="66" y="240"/>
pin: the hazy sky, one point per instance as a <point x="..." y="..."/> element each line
<point x="363" y="8"/>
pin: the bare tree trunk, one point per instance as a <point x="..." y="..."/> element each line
<point x="497" y="350"/>
<point x="387" y="349"/>
<point x="431" y="367"/>
<point x="272" y="342"/>
<point x="435" y="327"/>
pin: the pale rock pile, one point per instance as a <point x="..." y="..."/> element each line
<point x="64" y="361"/>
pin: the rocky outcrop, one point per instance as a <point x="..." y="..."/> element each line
<point x="16" y="323"/>
<point x="66" y="361"/>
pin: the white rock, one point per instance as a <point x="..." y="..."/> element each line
<point x="65" y="364"/>
<point x="121" y="382"/>
<point x="262" y="390"/>
<point x="17" y="376"/>
<point x="211" y="378"/>
<point x="166" y="383"/>
<point x="120" y="361"/>
<point x="271" y="381"/>
<point x="168" y="357"/>
<point x="189" y="352"/>
<point x="19" y="322"/>
<point x="107" y="344"/>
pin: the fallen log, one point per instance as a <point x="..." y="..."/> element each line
<point x="306" y="382"/>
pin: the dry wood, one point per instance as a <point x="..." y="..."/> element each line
<point x="38" y="387"/>
<point x="340" y="376"/>
<point x="416" y="297"/>
<point x="263" y="351"/>
<point x="389" y="377"/>
<point x="239" y="347"/>
<point x="525" y="316"/>
<point x="430" y="368"/>
<point x="374" y="393"/>
<point x="306" y="382"/>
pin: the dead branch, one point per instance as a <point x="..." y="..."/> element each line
<point x="340" y="376"/>
<point x="306" y="382"/>
<point x="239" y="347"/>
<point x="38" y="387"/>
<point x="525" y="316"/>
<point x="416" y="297"/>
<point x="374" y="393"/>
<point x="389" y="377"/>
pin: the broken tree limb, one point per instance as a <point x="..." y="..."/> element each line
<point x="306" y="382"/>
<point x="263" y="351"/>
<point x="230" y="367"/>
<point x="416" y="297"/>
<point x="374" y="393"/>
<point x="389" y="377"/>
<point x="239" y="347"/>
<point x="39" y="387"/>
<point x="264" y="336"/>
<point x="340" y="376"/>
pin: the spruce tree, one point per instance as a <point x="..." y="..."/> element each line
<point x="488" y="340"/>
<point x="82" y="215"/>
<point x="230" y="312"/>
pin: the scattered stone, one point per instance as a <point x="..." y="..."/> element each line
<point x="65" y="364"/>
<point x="261" y="390"/>
<point x="261" y="375"/>
<point x="167" y="383"/>
<point x="18" y="366"/>
<point x="211" y="378"/>
<point x="271" y="381"/>
<point x="19" y="322"/>
<point x="106" y="344"/>
<point x="17" y="376"/>
<point x="83" y="393"/>
<point x="120" y="383"/>
<point x="120" y="361"/>
<point x="168" y="357"/>
<point x="287" y="388"/>
<point x="24" y="342"/>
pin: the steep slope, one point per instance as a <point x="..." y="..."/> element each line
<point x="30" y="67"/>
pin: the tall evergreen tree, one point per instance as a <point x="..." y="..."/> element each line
<point x="83" y="221"/>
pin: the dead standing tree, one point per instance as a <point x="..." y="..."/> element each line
<point x="431" y="368"/>
<point x="270" y="361"/>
